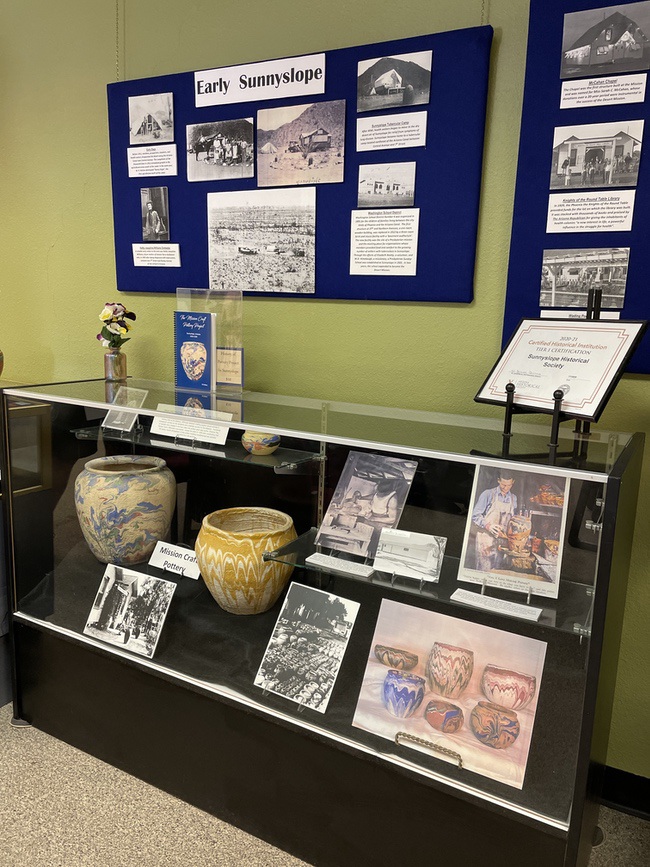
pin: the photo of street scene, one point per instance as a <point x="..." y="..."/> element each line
<point x="301" y="144"/>
<point x="568" y="275"/>
<point x="262" y="240"/>
<point x="391" y="82"/>
<point x="220" y="151"/>
<point x="305" y="651"/>
<point x="606" y="40"/>
<point x="130" y="609"/>
<point x="386" y="185"/>
<point x="596" y="155"/>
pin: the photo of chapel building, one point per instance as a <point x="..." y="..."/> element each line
<point x="617" y="43"/>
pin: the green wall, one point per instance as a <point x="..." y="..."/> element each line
<point x="57" y="239"/>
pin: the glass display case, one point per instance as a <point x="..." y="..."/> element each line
<point x="433" y="656"/>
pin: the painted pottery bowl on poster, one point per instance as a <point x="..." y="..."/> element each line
<point x="494" y="726"/>
<point x="193" y="358"/>
<point x="508" y="689"/>
<point x="393" y="657"/>
<point x="402" y="693"/>
<point x="124" y="505"/>
<point x="229" y="550"/>
<point x="449" y="669"/>
<point x="444" y="716"/>
<point x="259" y="443"/>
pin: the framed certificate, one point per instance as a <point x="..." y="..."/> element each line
<point x="584" y="359"/>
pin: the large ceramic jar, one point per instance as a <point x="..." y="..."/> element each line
<point x="125" y="505"/>
<point x="229" y="551"/>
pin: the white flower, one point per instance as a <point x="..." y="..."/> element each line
<point x="106" y="314"/>
<point x="114" y="328"/>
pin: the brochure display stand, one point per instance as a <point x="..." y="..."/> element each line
<point x="430" y="620"/>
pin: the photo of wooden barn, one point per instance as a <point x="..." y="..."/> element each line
<point x="616" y="42"/>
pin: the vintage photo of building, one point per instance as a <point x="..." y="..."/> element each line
<point x="305" y="651"/>
<point x="608" y="40"/>
<point x="262" y="240"/>
<point x="568" y="275"/>
<point x="151" y="119"/>
<point x="596" y="155"/>
<point x="221" y="150"/>
<point x="301" y="144"/>
<point x="391" y="82"/>
<point x="130" y="609"/>
<point x="386" y="185"/>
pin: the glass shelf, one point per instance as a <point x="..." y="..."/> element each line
<point x="283" y="460"/>
<point x="571" y="612"/>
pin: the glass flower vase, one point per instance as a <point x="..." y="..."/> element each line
<point x="114" y="365"/>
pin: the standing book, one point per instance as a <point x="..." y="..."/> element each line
<point x="195" y="350"/>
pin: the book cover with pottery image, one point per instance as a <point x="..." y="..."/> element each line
<point x="194" y="350"/>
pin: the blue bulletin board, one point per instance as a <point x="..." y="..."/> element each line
<point x="412" y="194"/>
<point x="582" y="202"/>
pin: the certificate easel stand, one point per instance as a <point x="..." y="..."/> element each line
<point x="582" y="428"/>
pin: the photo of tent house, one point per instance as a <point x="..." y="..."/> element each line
<point x="390" y="82"/>
<point x="301" y="144"/>
<point x="386" y="185"/>
<point x="607" y="40"/>
<point x="151" y="119"/>
<point x="596" y="155"/>
<point x="568" y="275"/>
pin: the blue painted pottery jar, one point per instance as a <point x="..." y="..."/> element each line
<point x="402" y="693"/>
<point x="124" y="505"/>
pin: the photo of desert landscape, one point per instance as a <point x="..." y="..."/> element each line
<point x="262" y="240"/>
<point x="301" y="144"/>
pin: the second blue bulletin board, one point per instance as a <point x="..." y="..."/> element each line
<point x="582" y="201"/>
<point x="382" y="84"/>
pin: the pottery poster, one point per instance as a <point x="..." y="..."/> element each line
<point x="469" y="689"/>
<point x="305" y="651"/>
<point x="369" y="497"/>
<point x="129" y="610"/>
<point x="514" y="537"/>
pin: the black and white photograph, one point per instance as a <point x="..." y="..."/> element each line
<point x="151" y="119"/>
<point x="369" y="497"/>
<point x="386" y="185"/>
<point x="301" y="144"/>
<point x="596" y="155"/>
<point x="221" y="150"/>
<point x="262" y="240"/>
<point x="305" y="651"/>
<point x="568" y="275"/>
<point x="412" y="555"/>
<point x="130" y="609"/>
<point x="154" y="210"/>
<point x="607" y="40"/>
<point x="514" y="537"/>
<point x="391" y="82"/>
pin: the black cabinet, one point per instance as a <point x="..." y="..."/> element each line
<point x="351" y="782"/>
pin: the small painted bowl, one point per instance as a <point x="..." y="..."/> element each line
<point x="393" y="657"/>
<point x="259" y="443"/>
<point x="449" y="669"/>
<point x="494" y="726"/>
<point x="508" y="689"/>
<point x="444" y="716"/>
<point x="402" y="693"/>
